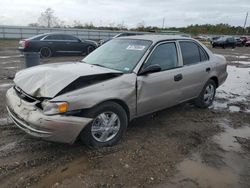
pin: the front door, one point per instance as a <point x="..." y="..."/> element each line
<point x="73" y="44"/>
<point x="160" y="90"/>
<point x="55" y="42"/>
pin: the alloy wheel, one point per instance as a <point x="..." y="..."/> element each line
<point x="105" y="126"/>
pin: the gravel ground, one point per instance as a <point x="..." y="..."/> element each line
<point x="183" y="146"/>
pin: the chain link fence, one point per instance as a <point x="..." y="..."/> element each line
<point x="22" y="32"/>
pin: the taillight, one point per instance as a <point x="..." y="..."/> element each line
<point x="26" y="44"/>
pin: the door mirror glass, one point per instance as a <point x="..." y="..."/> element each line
<point x="150" y="69"/>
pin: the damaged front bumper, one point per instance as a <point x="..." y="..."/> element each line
<point x="28" y="117"/>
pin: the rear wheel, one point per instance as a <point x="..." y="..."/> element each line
<point x="45" y="52"/>
<point x="108" y="125"/>
<point x="207" y="94"/>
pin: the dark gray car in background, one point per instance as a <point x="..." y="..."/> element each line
<point x="225" y="42"/>
<point x="126" y="34"/>
<point x="56" y="43"/>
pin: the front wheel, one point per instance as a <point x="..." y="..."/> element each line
<point x="90" y="49"/>
<point x="108" y="125"/>
<point x="207" y="94"/>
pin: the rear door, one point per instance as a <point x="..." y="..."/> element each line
<point x="159" y="90"/>
<point x="196" y="69"/>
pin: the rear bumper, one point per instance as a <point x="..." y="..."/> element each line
<point x="21" y="49"/>
<point x="29" y="118"/>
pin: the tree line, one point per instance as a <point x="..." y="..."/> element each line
<point x="48" y="19"/>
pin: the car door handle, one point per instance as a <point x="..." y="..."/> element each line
<point x="178" y="77"/>
<point x="208" y="69"/>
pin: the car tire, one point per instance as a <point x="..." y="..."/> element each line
<point x="45" y="52"/>
<point x="90" y="49"/>
<point x="99" y="133"/>
<point x="207" y="95"/>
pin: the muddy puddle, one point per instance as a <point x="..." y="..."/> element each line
<point x="228" y="167"/>
<point x="197" y="173"/>
<point x="227" y="140"/>
<point x="8" y="57"/>
<point x="234" y="93"/>
<point x="9" y="62"/>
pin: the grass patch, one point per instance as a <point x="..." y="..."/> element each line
<point x="9" y="42"/>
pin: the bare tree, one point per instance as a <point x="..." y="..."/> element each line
<point x="89" y="25"/>
<point x="33" y="25"/>
<point x="140" y="26"/>
<point x="48" y="19"/>
<point x="77" y="24"/>
<point x="121" y="26"/>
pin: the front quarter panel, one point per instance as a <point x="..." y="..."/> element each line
<point x="120" y="88"/>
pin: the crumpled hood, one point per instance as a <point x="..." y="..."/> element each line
<point x="48" y="80"/>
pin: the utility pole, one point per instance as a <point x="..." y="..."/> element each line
<point x="163" y="23"/>
<point x="245" y="21"/>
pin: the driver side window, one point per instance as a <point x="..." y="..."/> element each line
<point x="164" y="55"/>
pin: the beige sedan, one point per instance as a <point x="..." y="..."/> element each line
<point x="125" y="78"/>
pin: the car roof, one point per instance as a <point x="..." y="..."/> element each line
<point x="156" y="38"/>
<point x="57" y="33"/>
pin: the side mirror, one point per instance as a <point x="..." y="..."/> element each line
<point x="150" y="69"/>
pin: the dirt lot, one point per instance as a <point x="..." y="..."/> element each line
<point x="179" y="147"/>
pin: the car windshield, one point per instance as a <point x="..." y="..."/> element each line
<point x="119" y="54"/>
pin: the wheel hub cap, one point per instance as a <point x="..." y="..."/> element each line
<point x="105" y="126"/>
<point x="209" y="94"/>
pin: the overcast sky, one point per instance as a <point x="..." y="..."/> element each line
<point x="130" y="12"/>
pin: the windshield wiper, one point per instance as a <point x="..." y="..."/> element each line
<point x="98" y="65"/>
<point x="95" y="64"/>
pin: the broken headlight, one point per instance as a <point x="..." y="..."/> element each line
<point x="51" y="108"/>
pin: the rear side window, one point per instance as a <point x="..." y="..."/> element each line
<point x="54" y="37"/>
<point x="192" y="53"/>
<point x="164" y="55"/>
<point x="204" y="56"/>
<point x="230" y="39"/>
<point x="37" y="37"/>
<point x="68" y="37"/>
